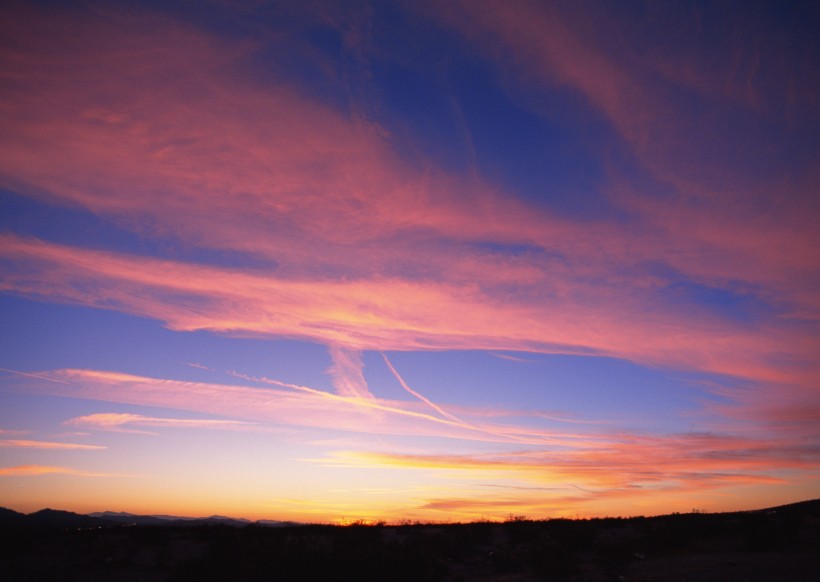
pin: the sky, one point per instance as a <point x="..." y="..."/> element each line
<point x="430" y="261"/>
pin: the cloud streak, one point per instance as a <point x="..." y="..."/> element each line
<point x="115" y="421"/>
<point x="284" y="403"/>
<point x="384" y="313"/>
<point x="347" y="373"/>
<point x="604" y="462"/>
<point x="38" y="470"/>
<point x="27" y="444"/>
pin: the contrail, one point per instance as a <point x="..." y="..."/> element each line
<point x="450" y="420"/>
<point x="34" y="376"/>
<point x="450" y="417"/>
<point x="427" y="401"/>
<point x="363" y="402"/>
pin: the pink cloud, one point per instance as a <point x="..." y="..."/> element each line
<point x="30" y="375"/>
<point x="780" y="410"/>
<point x="347" y="372"/>
<point x="223" y="156"/>
<point x="116" y="421"/>
<point x="36" y="470"/>
<point x="200" y="366"/>
<point x="514" y="358"/>
<point x="161" y="128"/>
<point x="585" y="468"/>
<point x="6" y="431"/>
<point x="282" y="403"/>
<point x="712" y="228"/>
<point x="26" y="444"/>
<point x="389" y="313"/>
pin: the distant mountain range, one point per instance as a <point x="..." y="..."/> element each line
<point x="58" y="519"/>
<point x="54" y="518"/>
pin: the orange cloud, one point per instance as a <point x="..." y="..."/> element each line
<point x="36" y="470"/>
<point x="25" y="444"/>
<point x="583" y="472"/>
<point x="680" y="463"/>
<point x="494" y="487"/>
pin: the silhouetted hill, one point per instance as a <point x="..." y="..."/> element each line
<point x="123" y="518"/>
<point x="809" y="508"/>
<point x="60" y="518"/>
<point x="55" y="518"/>
<point x="778" y="543"/>
<point x="10" y="517"/>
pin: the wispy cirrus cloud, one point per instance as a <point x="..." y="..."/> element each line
<point x="29" y="374"/>
<point x="348" y="243"/>
<point x="116" y="421"/>
<point x="705" y="208"/>
<point x="590" y="469"/>
<point x="512" y="358"/>
<point x="629" y="464"/>
<point x="363" y="248"/>
<point x="28" y="444"/>
<point x="631" y="474"/>
<point x="601" y="461"/>
<point x="583" y="468"/>
<point x="347" y="373"/>
<point x="200" y="366"/>
<point x="283" y="403"/>
<point x="390" y="313"/>
<point x="37" y="470"/>
<point x="6" y="431"/>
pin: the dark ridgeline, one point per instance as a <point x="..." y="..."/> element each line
<point x="773" y="544"/>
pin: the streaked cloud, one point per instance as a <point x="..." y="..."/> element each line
<point x="348" y="377"/>
<point x="117" y="421"/>
<point x="604" y="463"/>
<point x="626" y="462"/>
<point x="200" y="366"/>
<point x="5" y="431"/>
<point x="389" y="313"/>
<point x="37" y="470"/>
<point x="26" y="444"/>
<point x="347" y="245"/>
<point x="30" y="375"/>
<point x="277" y="402"/>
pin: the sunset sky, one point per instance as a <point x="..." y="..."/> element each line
<point x="425" y="260"/>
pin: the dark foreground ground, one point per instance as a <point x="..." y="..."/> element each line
<point x="778" y="544"/>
